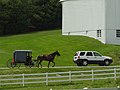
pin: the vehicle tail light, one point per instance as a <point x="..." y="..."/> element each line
<point x="78" y="57"/>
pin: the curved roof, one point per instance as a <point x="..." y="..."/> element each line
<point x="23" y="51"/>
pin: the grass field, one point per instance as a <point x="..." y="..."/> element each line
<point x="49" y="41"/>
<point x="46" y="42"/>
<point x="67" y="85"/>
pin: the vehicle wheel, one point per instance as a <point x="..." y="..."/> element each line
<point x="107" y="62"/>
<point x="79" y="64"/>
<point x="9" y="63"/>
<point x="84" y="62"/>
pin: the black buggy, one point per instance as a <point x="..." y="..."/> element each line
<point x="21" y="57"/>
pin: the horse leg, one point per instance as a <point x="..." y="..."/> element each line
<point x="40" y="63"/>
<point x="53" y="63"/>
<point x="48" y="64"/>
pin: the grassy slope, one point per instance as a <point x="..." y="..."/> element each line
<point x="49" y="41"/>
<point x="70" y="86"/>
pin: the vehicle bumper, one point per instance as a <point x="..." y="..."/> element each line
<point x="111" y="60"/>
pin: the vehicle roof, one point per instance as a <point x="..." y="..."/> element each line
<point x="23" y="51"/>
<point x="86" y="51"/>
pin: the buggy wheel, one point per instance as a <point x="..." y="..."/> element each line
<point x="10" y="64"/>
<point x="18" y="65"/>
<point x="28" y="65"/>
<point x="31" y="64"/>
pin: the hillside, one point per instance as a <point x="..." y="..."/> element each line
<point x="46" y="42"/>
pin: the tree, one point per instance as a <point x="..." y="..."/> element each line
<point x="4" y="15"/>
<point x="47" y="14"/>
<point x="17" y="15"/>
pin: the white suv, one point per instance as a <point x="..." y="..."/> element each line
<point x="91" y="57"/>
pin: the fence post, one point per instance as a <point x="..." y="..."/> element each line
<point x="46" y="78"/>
<point x="70" y="76"/>
<point x="115" y="73"/>
<point x="92" y="75"/>
<point x="23" y="79"/>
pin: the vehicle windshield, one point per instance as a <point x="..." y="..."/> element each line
<point x="96" y="54"/>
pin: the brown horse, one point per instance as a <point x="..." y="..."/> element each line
<point x="49" y="58"/>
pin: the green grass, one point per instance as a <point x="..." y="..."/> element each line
<point x="49" y="41"/>
<point x="110" y="83"/>
<point x="46" y="42"/>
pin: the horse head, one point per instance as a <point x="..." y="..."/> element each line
<point x="57" y="53"/>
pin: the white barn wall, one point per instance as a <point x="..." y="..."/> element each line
<point x="112" y="21"/>
<point x="118" y="14"/>
<point x="83" y="17"/>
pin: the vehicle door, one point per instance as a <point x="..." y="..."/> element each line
<point x="89" y="56"/>
<point x="98" y="57"/>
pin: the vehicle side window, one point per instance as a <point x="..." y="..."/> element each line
<point x="82" y="53"/>
<point x="96" y="54"/>
<point x="89" y="54"/>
